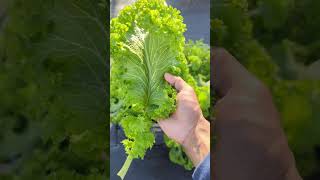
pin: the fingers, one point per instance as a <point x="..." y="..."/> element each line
<point x="227" y="72"/>
<point x="175" y="81"/>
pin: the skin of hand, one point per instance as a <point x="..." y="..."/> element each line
<point x="186" y="125"/>
<point x="250" y="143"/>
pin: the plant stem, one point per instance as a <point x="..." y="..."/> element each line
<point x="123" y="171"/>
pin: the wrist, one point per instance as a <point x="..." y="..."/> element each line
<point x="197" y="142"/>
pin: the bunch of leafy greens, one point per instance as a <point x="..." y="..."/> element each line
<point x="53" y="90"/>
<point x="276" y="40"/>
<point x="198" y="60"/>
<point x="197" y="54"/>
<point x="147" y="41"/>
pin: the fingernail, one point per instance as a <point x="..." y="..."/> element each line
<point x="168" y="77"/>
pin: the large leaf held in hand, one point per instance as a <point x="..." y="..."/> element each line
<point x="149" y="57"/>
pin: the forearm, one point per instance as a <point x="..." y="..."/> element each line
<point x="197" y="143"/>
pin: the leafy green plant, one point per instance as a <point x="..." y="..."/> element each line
<point x="147" y="41"/>
<point x="197" y="54"/>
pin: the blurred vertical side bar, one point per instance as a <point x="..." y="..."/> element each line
<point x="107" y="22"/>
<point x="53" y="89"/>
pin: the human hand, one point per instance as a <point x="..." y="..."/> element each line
<point x="250" y="141"/>
<point x="186" y="125"/>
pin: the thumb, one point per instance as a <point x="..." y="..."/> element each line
<point x="175" y="81"/>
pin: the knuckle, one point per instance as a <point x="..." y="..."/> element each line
<point x="196" y="109"/>
<point x="179" y="80"/>
<point x="189" y="89"/>
<point x="180" y="95"/>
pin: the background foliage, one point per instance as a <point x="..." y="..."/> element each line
<point x="53" y="105"/>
